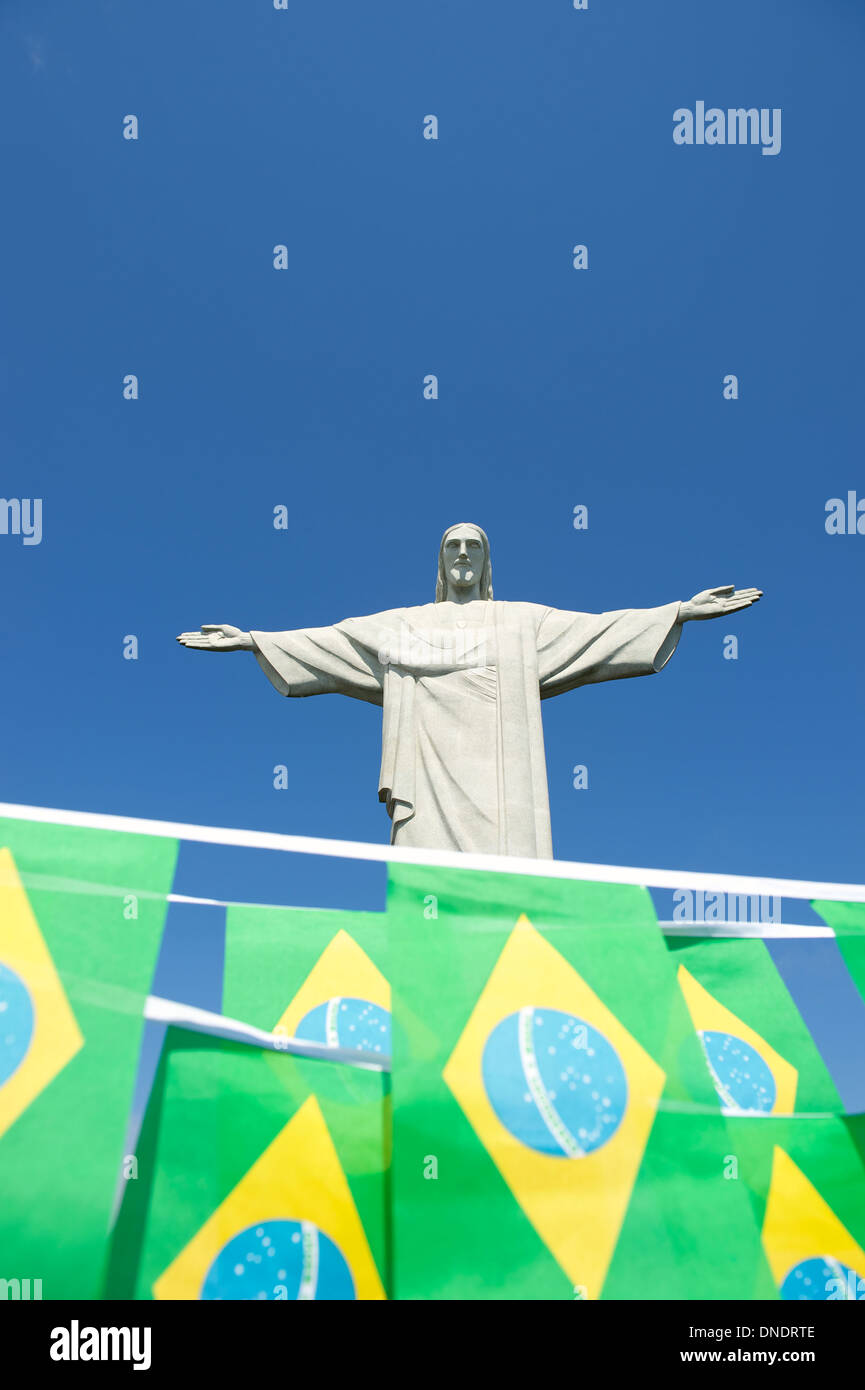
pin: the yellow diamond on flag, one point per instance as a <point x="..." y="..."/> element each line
<point x="811" y="1253"/>
<point x="38" y="1031"/>
<point x="288" y="1231"/>
<point x="343" y="1002"/>
<point x="562" y="1097"/>
<point x="749" y="1076"/>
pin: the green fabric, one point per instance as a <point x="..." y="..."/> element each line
<point x="457" y="1214"/>
<point x="214" y="1109"/>
<point x="830" y="1150"/>
<point x="741" y="975"/>
<point x="269" y="953"/>
<point x="216" y="1106"/>
<point x="847" y="920"/>
<point x="693" y="1155"/>
<point x="463" y="1234"/>
<point x="60" y="1161"/>
<point x="830" y="1153"/>
<point x="690" y="1232"/>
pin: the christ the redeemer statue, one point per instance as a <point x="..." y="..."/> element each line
<point x="461" y="682"/>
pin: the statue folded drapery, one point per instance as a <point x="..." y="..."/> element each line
<point x="461" y="684"/>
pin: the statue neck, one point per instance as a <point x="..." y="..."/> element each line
<point x="461" y="596"/>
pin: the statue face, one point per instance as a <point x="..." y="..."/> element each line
<point x="463" y="558"/>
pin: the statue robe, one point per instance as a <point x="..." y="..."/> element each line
<point x="461" y="686"/>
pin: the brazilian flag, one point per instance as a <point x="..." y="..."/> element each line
<point x="765" y="1070"/>
<point x="806" y="1179"/>
<point x="267" y="1175"/>
<point x="81" y="917"/>
<point x="583" y="1109"/>
<point x="757" y="1048"/>
<point x="556" y="1132"/>
<point x="321" y="975"/>
<point x="800" y="1164"/>
<point x="251" y="1187"/>
<point x="315" y="974"/>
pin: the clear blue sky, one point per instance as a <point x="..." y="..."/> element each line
<point x="557" y="387"/>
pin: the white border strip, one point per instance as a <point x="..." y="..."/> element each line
<point x="766" y="930"/>
<point x="160" y="1010"/>
<point x="392" y="854"/>
<point x="689" y="1107"/>
<point x="724" y="927"/>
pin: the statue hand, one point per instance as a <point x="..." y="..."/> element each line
<point x="716" y="603"/>
<point x="218" y="637"/>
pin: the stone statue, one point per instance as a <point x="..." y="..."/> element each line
<point x="461" y="682"/>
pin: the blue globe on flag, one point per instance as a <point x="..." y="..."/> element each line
<point x="17" y="1019"/>
<point x="741" y="1078"/>
<point x="347" y="1022"/>
<point x="279" y="1261"/>
<point x="822" y="1278"/>
<point x="555" y="1082"/>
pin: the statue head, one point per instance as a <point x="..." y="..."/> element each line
<point x="464" y="561"/>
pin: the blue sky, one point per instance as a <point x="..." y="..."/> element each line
<point x="557" y="387"/>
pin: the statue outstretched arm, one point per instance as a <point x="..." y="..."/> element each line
<point x="308" y="661"/>
<point x="583" y="648"/>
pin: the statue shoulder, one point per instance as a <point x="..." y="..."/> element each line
<point x="418" y="611"/>
<point x="372" y="629"/>
<point x="531" y="611"/>
<point x="385" y="616"/>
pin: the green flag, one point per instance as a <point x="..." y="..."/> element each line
<point x="758" y="1050"/>
<point x="583" y="1108"/>
<point x="847" y="920"/>
<point x="321" y="975"/>
<point x="81" y="916"/>
<point x="806" y="1179"/>
<point x="238" y="1139"/>
<point x="556" y="1134"/>
<point x="800" y="1164"/>
<point x="248" y="1172"/>
<point x="760" y="1060"/>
